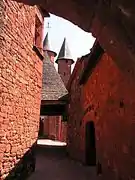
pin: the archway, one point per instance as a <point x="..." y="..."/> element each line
<point x="111" y="22"/>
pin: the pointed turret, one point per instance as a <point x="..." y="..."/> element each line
<point x="64" y="62"/>
<point x="64" y="52"/>
<point x="46" y="45"/>
<point x="46" y="48"/>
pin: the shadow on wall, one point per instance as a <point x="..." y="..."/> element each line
<point x="24" y="167"/>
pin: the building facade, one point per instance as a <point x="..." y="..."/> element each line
<point x="50" y="126"/>
<point x="101" y="116"/>
<point x="74" y="112"/>
<point x="53" y="101"/>
<point x="54" y="90"/>
<point x="21" y="29"/>
<point x="64" y="61"/>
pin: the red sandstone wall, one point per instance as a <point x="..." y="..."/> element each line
<point x="46" y="126"/>
<point x="112" y="98"/>
<point x="55" y="128"/>
<point x="58" y="127"/>
<point x="63" y="135"/>
<point x="52" y="127"/>
<point x="75" y="113"/>
<point x="64" y="69"/>
<point x="20" y="84"/>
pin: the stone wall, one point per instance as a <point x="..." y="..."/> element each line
<point x="108" y="100"/>
<point x="20" y="87"/>
<point x="111" y="94"/>
<point x="63" y="135"/>
<point x="74" y="112"/>
<point x="64" y="69"/>
<point x="52" y="127"/>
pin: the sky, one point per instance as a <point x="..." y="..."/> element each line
<point x="79" y="41"/>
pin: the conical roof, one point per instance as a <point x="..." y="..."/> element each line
<point x="53" y="87"/>
<point x="46" y="45"/>
<point x="64" y="52"/>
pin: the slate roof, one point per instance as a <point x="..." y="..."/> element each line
<point x="53" y="87"/>
<point x="64" y="52"/>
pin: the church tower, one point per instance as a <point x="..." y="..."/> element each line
<point x="64" y="62"/>
<point x="46" y="48"/>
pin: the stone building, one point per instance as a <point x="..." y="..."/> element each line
<point x="101" y="116"/>
<point x="112" y="23"/>
<point x="21" y="54"/>
<point x="64" y="61"/>
<point x="54" y="92"/>
<point x="53" y="102"/>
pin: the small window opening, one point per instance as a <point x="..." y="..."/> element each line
<point x="64" y="73"/>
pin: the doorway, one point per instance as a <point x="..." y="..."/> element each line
<point x="41" y="128"/>
<point x="90" y="145"/>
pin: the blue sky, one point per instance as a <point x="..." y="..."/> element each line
<point x="79" y="41"/>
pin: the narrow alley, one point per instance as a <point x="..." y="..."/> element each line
<point x="67" y="74"/>
<point x="53" y="164"/>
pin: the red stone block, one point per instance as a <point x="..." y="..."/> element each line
<point x="107" y="99"/>
<point x="2" y="147"/>
<point x="18" y="86"/>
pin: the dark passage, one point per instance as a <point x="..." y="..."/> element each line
<point x="90" y="146"/>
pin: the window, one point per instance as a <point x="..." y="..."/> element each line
<point x="64" y="73"/>
<point x="38" y="45"/>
